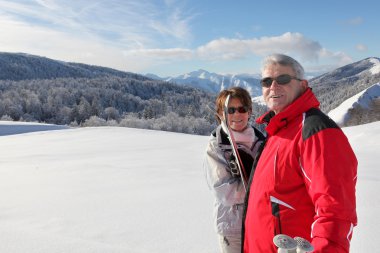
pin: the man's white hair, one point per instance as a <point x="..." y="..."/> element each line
<point x="284" y="60"/>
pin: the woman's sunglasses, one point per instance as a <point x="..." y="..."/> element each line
<point x="281" y="80"/>
<point x="240" y="109"/>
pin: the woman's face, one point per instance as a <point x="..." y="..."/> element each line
<point x="238" y="121"/>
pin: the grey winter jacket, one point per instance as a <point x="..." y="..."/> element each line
<point x="226" y="186"/>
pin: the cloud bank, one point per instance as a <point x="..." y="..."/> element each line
<point x="135" y="35"/>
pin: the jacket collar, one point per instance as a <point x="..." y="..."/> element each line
<point x="277" y="121"/>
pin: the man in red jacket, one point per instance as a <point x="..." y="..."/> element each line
<point x="304" y="182"/>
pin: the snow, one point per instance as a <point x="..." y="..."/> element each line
<point x="11" y="127"/>
<point x="259" y="100"/>
<point x="376" y="68"/>
<point x="110" y="189"/>
<point x="363" y="99"/>
<point x="202" y="75"/>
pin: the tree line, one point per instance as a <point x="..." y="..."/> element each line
<point x="108" y="100"/>
<point x="332" y="92"/>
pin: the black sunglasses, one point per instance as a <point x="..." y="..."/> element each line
<point x="240" y="109"/>
<point x="281" y="80"/>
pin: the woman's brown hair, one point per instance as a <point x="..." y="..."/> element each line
<point x="234" y="92"/>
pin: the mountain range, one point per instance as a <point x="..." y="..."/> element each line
<point x="38" y="89"/>
<point x="213" y="82"/>
<point x="340" y="86"/>
<point x="104" y="90"/>
<point x="22" y="66"/>
<point x="350" y="79"/>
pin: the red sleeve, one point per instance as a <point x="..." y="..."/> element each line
<point x="331" y="167"/>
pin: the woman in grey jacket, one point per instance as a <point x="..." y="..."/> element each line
<point x="223" y="177"/>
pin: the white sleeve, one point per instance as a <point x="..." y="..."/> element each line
<point x="227" y="189"/>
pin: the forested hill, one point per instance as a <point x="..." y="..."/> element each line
<point x="43" y="90"/>
<point x="335" y="87"/>
<point x="39" y="89"/>
<point x="20" y="66"/>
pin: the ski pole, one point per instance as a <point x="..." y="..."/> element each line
<point x="224" y="121"/>
<point x="233" y="145"/>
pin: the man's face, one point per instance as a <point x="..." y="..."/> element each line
<point x="276" y="96"/>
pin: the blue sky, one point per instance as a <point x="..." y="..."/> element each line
<point x="173" y="37"/>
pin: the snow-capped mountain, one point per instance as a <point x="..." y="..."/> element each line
<point x="329" y="87"/>
<point x="334" y="87"/>
<point x="367" y="67"/>
<point x="214" y="83"/>
<point x="362" y="108"/>
<point x="376" y="66"/>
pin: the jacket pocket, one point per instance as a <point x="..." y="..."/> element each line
<point x="277" y="205"/>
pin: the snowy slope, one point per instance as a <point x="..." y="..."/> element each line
<point x="376" y="66"/>
<point x="11" y="127"/>
<point x="363" y="99"/>
<point x="114" y="190"/>
<point x="104" y="190"/>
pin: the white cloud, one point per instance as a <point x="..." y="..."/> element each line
<point x="131" y="35"/>
<point x="125" y="23"/>
<point x="50" y="4"/>
<point x="290" y="43"/>
<point x="224" y="49"/>
<point x="361" y="47"/>
<point x="175" y="25"/>
<point x="232" y="50"/>
<point x="338" y="58"/>
<point x="313" y="56"/>
<point x="327" y="61"/>
<point x="172" y="53"/>
<point x="96" y="32"/>
<point x="62" y="46"/>
<point x="256" y="28"/>
<point x="355" y="21"/>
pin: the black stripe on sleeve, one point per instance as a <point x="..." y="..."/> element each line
<point x="316" y="121"/>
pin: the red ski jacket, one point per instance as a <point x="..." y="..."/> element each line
<point x="304" y="182"/>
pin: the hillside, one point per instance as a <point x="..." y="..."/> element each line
<point x="20" y="66"/>
<point x="34" y="88"/>
<point x="362" y="108"/>
<point x="339" y="85"/>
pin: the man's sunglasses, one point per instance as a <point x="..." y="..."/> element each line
<point x="281" y="80"/>
<point x="240" y="109"/>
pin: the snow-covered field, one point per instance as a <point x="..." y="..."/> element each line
<point x="111" y="189"/>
